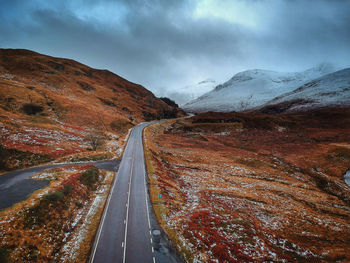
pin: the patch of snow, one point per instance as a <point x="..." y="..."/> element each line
<point x="6" y="76"/>
<point x="347" y="178"/>
<point x="69" y="250"/>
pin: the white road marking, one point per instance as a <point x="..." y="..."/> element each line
<point x="103" y="219"/>
<point x="127" y="205"/>
<point x="146" y="198"/>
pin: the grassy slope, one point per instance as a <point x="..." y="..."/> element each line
<point x="50" y="106"/>
<point x="253" y="187"/>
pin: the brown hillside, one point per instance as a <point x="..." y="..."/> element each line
<point x="50" y="106"/>
<point x="252" y="187"/>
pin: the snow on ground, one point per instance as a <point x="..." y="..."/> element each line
<point x="347" y="178"/>
<point x="87" y="214"/>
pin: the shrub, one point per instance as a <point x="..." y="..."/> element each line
<point x="95" y="140"/>
<point x="32" y="109"/>
<point x="55" y="196"/>
<point x="30" y="87"/>
<point x="341" y="153"/>
<point x="169" y="102"/>
<point x="89" y="177"/>
<point x="121" y="125"/>
<point x="78" y="204"/>
<point x="67" y="189"/>
<point x="85" y="86"/>
<point x="4" y="255"/>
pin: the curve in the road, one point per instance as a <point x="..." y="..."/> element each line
<point x="16" y="186"/>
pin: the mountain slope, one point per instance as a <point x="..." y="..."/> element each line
<point x="252" y="88"/>
<point x="330" y="90"/>
<point x="49" y="107"/>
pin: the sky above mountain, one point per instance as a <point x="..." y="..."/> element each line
<point x="169" y="44"/>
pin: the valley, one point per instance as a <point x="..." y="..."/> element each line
<point x="74" y="122"/>
<point x="265" y="183"/>
<point x="183" y="131"/>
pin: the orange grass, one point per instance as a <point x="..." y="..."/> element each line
<point x="255" y="193"/>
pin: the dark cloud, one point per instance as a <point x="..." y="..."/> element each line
<point x="165" y="44"/>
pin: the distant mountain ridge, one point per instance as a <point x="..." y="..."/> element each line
<point x="252" y="88"/>
<point x="190" y="92"/>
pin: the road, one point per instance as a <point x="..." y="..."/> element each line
<point x="128" y="222"/>
<point x="16" y="186"/>
<point x="125" y="230"/>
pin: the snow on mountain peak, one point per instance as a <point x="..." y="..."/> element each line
<point x="329" y="90"/>
<point x="206" y="81"/>
<point x="251" y="88"/>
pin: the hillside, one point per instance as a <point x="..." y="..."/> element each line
<point x="330" y="90"/>
<point x="252" y="187"/>
<point x="252" y="88"/>
<point x="53" y="107"/>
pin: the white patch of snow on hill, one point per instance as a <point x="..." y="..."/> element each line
<point x="190" y="92"/>
<point x="330" y="90"/>
<point x="252" y="88"/>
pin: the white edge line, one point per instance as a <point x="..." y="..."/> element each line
<point x="146" y="198"/>
<point x="144" y="180"/>
<point x="103" y="219"/>
<point x="146" y="194"/>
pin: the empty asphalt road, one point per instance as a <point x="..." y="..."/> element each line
<point x="125" y="231"/>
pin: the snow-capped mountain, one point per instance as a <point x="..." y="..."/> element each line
<point x="190" y="92"/>
<point x="252" y="88"/>
<point x="329" y="90"/>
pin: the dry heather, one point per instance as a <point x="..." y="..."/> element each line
<point x="253" y="187"/>
<point x="52" y="107"/>
<point x="57" y="223"/>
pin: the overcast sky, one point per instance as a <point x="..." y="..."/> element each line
<point x="166" y="45"/>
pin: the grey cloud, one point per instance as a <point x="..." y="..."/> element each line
<point x="160" y="45"/>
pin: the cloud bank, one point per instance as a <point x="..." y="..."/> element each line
<point x="166" y="45"/>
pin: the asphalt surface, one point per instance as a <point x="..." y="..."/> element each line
<point x="125" y="232"/>
<point x="16" y="186"/>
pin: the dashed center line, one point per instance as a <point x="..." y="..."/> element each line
<point x="127" y="204"/>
